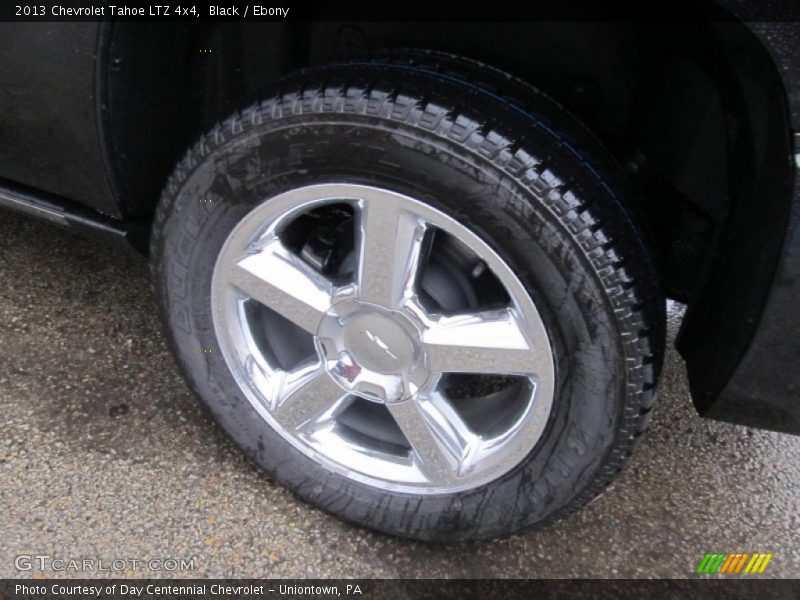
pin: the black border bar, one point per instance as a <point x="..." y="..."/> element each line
<point x="388" y="589"/>
<point x="407" y="10"/>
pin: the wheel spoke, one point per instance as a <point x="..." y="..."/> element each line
<point x="367" y="339"/>
<point x="391" y="250"/>
<point x="486" y="342"/>
<point x="281" y="280"/>
<point x="439" y="438"/>
<point x="305" y="394"/>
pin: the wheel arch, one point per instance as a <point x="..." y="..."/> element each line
<point x="698" y="116"/>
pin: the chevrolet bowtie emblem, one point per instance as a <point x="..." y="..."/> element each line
<point x="379" y="343"/>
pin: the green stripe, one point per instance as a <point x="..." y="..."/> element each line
<point x="711" y="562"/>
<point x="715" y="566"/>
<point x="702" y="567"/>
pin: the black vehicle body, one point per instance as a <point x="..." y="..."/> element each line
<point x="94" y="115"/>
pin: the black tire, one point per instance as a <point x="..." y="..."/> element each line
<point x="514" y="167"/>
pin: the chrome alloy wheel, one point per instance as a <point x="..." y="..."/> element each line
<point x="361" y="361"/>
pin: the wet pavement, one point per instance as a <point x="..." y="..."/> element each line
<point x="104" y="454"/>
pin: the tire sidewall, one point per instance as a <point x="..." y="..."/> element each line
<point x="274" y="158"/>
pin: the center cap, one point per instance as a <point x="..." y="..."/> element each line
<point x="378" y="343"/>
<point x="371" y="351"/>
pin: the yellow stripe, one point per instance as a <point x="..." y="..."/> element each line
<point x="761" y="557"/>
<point x="752" y="562"/>
<point x="765" y="563"/>
<point x="741" y="562"/>
<point x="727" y="564"/>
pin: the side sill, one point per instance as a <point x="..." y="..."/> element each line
<point x="133" y="235"/>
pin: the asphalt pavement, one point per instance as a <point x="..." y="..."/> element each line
<point x="105" y="455"/>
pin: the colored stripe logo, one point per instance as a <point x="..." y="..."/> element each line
<point x="741" y="562"/>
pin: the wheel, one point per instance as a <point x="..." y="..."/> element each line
<point x="417" y="303"/>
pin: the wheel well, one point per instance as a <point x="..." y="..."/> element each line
<point x="694" y="111"/>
